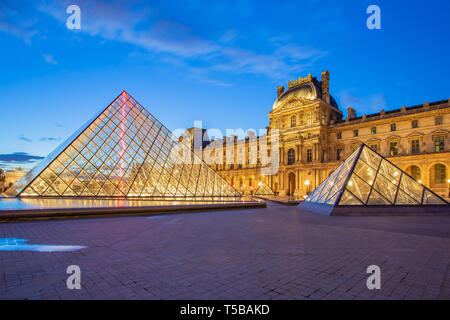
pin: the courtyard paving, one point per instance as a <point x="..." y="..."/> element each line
<point x="274" y="253"/>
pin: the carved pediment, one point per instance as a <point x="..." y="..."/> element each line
<point x="292" y="104"/>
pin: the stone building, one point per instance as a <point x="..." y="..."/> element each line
<point x="315" y="138"/>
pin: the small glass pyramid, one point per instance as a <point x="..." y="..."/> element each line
<point x="122" y="152"/>
<point x="264" y="190"/>
<point x="366" y="179"/>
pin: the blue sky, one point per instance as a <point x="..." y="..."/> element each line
<point x="215" y="61"/>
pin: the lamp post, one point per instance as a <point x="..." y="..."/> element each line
<point x="307" y="184"/>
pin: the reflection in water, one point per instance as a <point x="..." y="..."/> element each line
<point x="70" y="203"/>
<point x="15" y="244"/>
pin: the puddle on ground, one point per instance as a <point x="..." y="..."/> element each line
<point x="16" y="244"/>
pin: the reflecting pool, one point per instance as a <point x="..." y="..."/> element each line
<point x="16" y="244"/>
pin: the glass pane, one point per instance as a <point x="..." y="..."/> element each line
<point x="404" y="199"/>
<point x="431" y="199"/>
<point x="359" y="188"/>
<point x="349" y="200"/>
<point x="377" y="199"/>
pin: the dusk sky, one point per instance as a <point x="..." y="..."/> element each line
<point x="215" y="61"/>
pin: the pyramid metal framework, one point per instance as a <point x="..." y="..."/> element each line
<point x="368" y="179"/>
<point x="122" y="152"/>
<point x="264" y="190"/>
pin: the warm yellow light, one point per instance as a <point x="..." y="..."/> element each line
<point x="307" y="182"/>
<point x="371" y="182"/>
<point x="420" y="181"/>
<point x="260" y="184"/>
<point x="395" y="173"/>
<point x="350" y="183"/>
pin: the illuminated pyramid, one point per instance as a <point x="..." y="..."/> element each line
<point x="264" y="190"/>
<point x="369" y="180"/>
<point x="122" y="152"/>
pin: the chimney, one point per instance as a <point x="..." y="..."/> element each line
<point x="280" y="91"/>
<point x="351" y="113"/>
<point x="326" y="86"/>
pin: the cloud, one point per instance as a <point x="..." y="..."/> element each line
<point x="19" y="157"/>
<point x="49" y="59"/>
<point x="23" y="138"/>
<point x="50" y="139"/>
<point x="130" y="22"/>
<point x="372" y="103"/>
<point x="13" y="22"/>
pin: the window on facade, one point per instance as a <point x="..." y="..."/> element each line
<point x="394" y="149"/>
<point x="291" y="157"/>
<point x="339" y="135"/>
<point x="415" y="173"/>
<point x="355" y="133"/>
<point x="373" y="130"/>
<point x="309" y="135"/>
<point x="415" y="124"/>
<point x="278" y="124"/>
<point x="440" y="173"/>
<point x="439" y="120"/>
<point x="310" y="117"/>
<point x="439" y="144"/>
<point x="393" y="127"/>
<point x="374" y="147"/>
<point x="293" y="121"/>
<point x="309" y="155"/>
<point x="339" y="154"/>
<point x="415" y="146"/>
<point x="355" y="147"/>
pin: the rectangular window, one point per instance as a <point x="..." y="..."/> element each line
<point x="309" y="155"/>
<point x="439" y="120"/>
<point x="439" y="144"/>
<point x="373" y="130"/>
<point x="393" y="127"/>
<point x="339" y="154"/>
<point x="374" y="147"/>
<point x="394" y="149"/>
<point x="355" y="133"/>
<point x="415" y="146"/>
<point x="415" y="124"/>
<point x="339" y="135"/>
<point x="310" y="117"/>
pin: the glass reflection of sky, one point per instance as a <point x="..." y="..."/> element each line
<point x="15" y="244"/>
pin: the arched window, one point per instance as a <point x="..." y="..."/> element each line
<point x="415" y="173"/>
<point x="293" y="121"/>
<point x="291" y="156"/>
<point x="440" y="173"/>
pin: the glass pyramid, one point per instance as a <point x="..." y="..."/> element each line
<point x="122" y="152"/>
<point x="366" y="179"/>
<point x="264" y="190"/>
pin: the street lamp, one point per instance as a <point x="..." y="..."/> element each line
<point x="307" y="184"/>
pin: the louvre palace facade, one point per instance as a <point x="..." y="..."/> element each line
<point x="315" y="137"/>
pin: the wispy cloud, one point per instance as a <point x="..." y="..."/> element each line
<point x="50" y="139"/>
<point x="19" y="157"/>
<point x="23" y="138"/>
<point x="130" y="22"/>
<point x="13" y="22"/>
<point x="49" y="59"/>
<point x="371" y="103"/>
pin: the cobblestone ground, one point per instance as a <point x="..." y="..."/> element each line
<point x="274" y="253"/>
